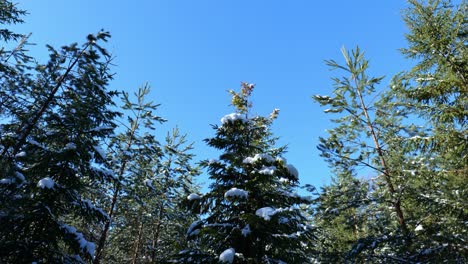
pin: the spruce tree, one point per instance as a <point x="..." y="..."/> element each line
<point x="435" y="91"/>
<point x="56" y="116"/>
<point x="251" y="213"/>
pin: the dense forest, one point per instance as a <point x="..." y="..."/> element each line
<point x="85" y="179"/>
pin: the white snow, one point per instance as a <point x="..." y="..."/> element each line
<point x="70" y="146"/>
<point x="246" y="230"/>
<point x="283" y="180"/>
<point x="248" y="160"/>
<point x="227" y="256"/>
<point x="193" y="196"/>
<point x="292" y="170"/>
<point x="419" y="228"/>
<point x="20" y="155"/>
<point x="100" y="151"/>
<point x="322" y="97"/>
<point x="267" y="170"/>
<point x="422" y="79"/>
<point x="20" y="176"/>
<point x="234" y="192"/>
<point x="149" y="183"/>
<point x="265" y="212"/>
<point x="94" y="208"/>
<point x="99" y="128"/>
<point x="193" y="228"/>
<point x="257" y="157"/>
<point x="212" y="161"/>
<point x="419" y="137"/>
<point x="231" y="118"/>
<point x="104" y="171"/>
<point x="85" y="246"/>
<point x="5" y="181"/>
<point x="46" y="183"/>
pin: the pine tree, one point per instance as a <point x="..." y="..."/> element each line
<point x="174" y="182"/>
<point x="367" y="137"/>
<point x="56" y="116"/>
<point x="150" y="223"/>
<point x="251" y="213"/>
<point x="435" y="90"/>
<point x="340" y="213"/>
<point x="420" y="126"/>
<point x="132" y="153"/>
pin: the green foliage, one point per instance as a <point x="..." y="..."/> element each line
<point x="146" y="223"/>
<point x="251" y="207"/>
<point x="54" y="115"/>
<point x="412" y="138"/>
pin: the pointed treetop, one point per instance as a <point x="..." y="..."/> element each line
<point x="240" y="100"/>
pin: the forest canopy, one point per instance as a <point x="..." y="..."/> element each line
<point x="85" y="178"/>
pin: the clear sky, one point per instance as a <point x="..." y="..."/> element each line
<point x="191" y="52"/>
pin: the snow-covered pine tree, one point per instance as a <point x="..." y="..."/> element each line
<point x="50" y="154"/>
<point x="251" y="213"/>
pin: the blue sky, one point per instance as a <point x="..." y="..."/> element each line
<point x="191" y="52"/>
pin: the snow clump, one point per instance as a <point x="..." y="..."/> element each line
<point x="85" y="246"/>
<point x="20" y="155"/>
<point x="234" y="192"/>
<point x="227" y="256"/>
<point x="246" y="230"/>
<point x="257" y="157"/>
<point x="232" y="118"/>
<point x="194" y="228"/>
<point x="46" y="183"/>
<point x="267" y="170"/>
<point x="292" y="170"/>
<point x="193" y="196"/>
<point x="265" y="213"/>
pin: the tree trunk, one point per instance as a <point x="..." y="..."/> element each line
<point x="137" y="243"/>
<point x="25" y="129"/>
<point x="395" y="201"/>
<point x="156" y="234"/>
<point x="102" y="239"/>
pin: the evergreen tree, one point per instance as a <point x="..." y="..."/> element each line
<point x="372" y="213"/>
<point x="150" y="223"/>
<point x="340" y="213"/>
<point x="56" y="116"/>
<point x="419" y="129"/>
<point x="435" y="90"/>
<point x="251" y="213"/>
<point x="145" y="221"/>
<point x="132" y="154"/>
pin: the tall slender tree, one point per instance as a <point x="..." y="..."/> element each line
<point x="368" y="136"/>
<point x="56" y="116"/>
<point x="133" y="150"/>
